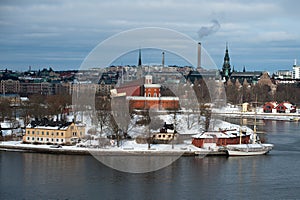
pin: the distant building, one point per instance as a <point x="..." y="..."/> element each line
<point x="9" y="86"/>
<point x="49" y="132"/>
<point x="251" y="77"/>
<point x="285" y="107"/>
<point x="274" y="107"/>
<point x="284" y="74"/>
<point x="269" y="107"/>
<point x="296" y="71"/>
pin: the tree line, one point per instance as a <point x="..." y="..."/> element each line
<point x="263" y="93"/>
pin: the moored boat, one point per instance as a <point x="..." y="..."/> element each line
<point x="253" y="149"/>
<point x="248" y="149"/>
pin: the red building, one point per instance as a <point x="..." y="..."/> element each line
<point x="269" y="107"/>
<point x="146" y="95"/>
<point x="285" y="107"/>
<point x="274" y="107"/>
<point x="220" y="138"/>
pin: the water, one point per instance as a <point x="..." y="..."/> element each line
<point x="46" y="176"/>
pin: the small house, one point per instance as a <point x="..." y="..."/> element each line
<point x="269" y="107"/>
<point x="285" y="107"/>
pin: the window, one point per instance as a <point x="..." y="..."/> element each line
<point x="47" y="139"/>
<point x="57" y="134"/>
<point x="47" y="133"/>
<point x="74" y="133"/>
<point x="52" y="140"/>
<point x="42" y="132"/>
<point x="52" y="134"/>
<point x="37" y="139"/>
<point x="155" y="95"/>
<point x="62" y="140"/>
<point x="32" y="132"/>
<point x="57" y="140"/>
<point x="62" y="134"/>
<point x="28" y="132"/>
<point x="32" y="138"/>
<point x="28" y="138"/>
<point x="149" y="95"/>
<point x="41" y="139"/>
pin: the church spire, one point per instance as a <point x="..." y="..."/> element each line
<point x="226" y="70"/>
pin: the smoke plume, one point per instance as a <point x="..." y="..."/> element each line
<point x="208" y="30"/>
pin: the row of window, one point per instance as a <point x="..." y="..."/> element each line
<point x="47" y="133"/>
<point x="44" y="139"/>
<point x="149" y="95"/>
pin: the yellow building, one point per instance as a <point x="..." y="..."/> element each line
<point x="53" y="132"/>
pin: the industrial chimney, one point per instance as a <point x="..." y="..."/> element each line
<point x="199" y="56"/>
<point x="163" y="59"/>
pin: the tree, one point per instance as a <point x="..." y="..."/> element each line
<point x="37" y="106"/>
<point x="56" y="104"/>
<point x="102" y="105"/>
<point x="6" y="110"/>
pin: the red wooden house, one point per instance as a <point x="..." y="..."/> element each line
<point x="269" y="107"/>
<point x="285" y="107"/>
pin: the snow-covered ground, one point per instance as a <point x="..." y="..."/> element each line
<point x="132" y="145"/>
<point x="184" y="123"/>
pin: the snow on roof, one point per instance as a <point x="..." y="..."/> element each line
<point x="212" y="134"/>
<point x="288" y="105"/>
<point x="152" y="85"/>
<point x="274" y="103"/>
<point x="152" y="98"/>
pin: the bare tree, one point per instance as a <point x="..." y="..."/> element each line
<point x="103" y="111"/>
<point x="6" y="110"/>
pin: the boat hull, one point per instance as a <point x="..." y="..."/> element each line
<point x="248" y="149"/>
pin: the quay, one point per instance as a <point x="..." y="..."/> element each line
<point x="71" y="150"/>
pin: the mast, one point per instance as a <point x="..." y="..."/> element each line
<point x="254" y="127"/>
<point x="241" y="123"/>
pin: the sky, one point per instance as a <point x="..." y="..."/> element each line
<point x="261" y="35"/>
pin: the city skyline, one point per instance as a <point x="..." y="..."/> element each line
<point x="60" y="34"/>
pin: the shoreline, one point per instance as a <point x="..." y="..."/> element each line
<point x="266" y="116"/>
<point x="110" y="152"/>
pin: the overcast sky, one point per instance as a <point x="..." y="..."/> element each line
<point x="262" y="35"/>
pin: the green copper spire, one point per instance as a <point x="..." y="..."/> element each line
<point x="226" y="70"/>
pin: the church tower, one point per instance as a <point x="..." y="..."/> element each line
<point x="226" y="70"/>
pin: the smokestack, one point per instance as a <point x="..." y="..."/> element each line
<point x="163" y="59"/>
<point x="199" y="56"/>
<point x="295" y="62"/>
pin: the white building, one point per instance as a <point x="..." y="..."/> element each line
<point x="296" y="71"/>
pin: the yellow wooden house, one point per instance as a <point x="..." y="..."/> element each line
<point x="65" y="133"/>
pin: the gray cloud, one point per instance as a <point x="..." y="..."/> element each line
<point x="70" y="28"/>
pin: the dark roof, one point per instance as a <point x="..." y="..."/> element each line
<point x="246" y="74"/>
<point x="49" y="123"/>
